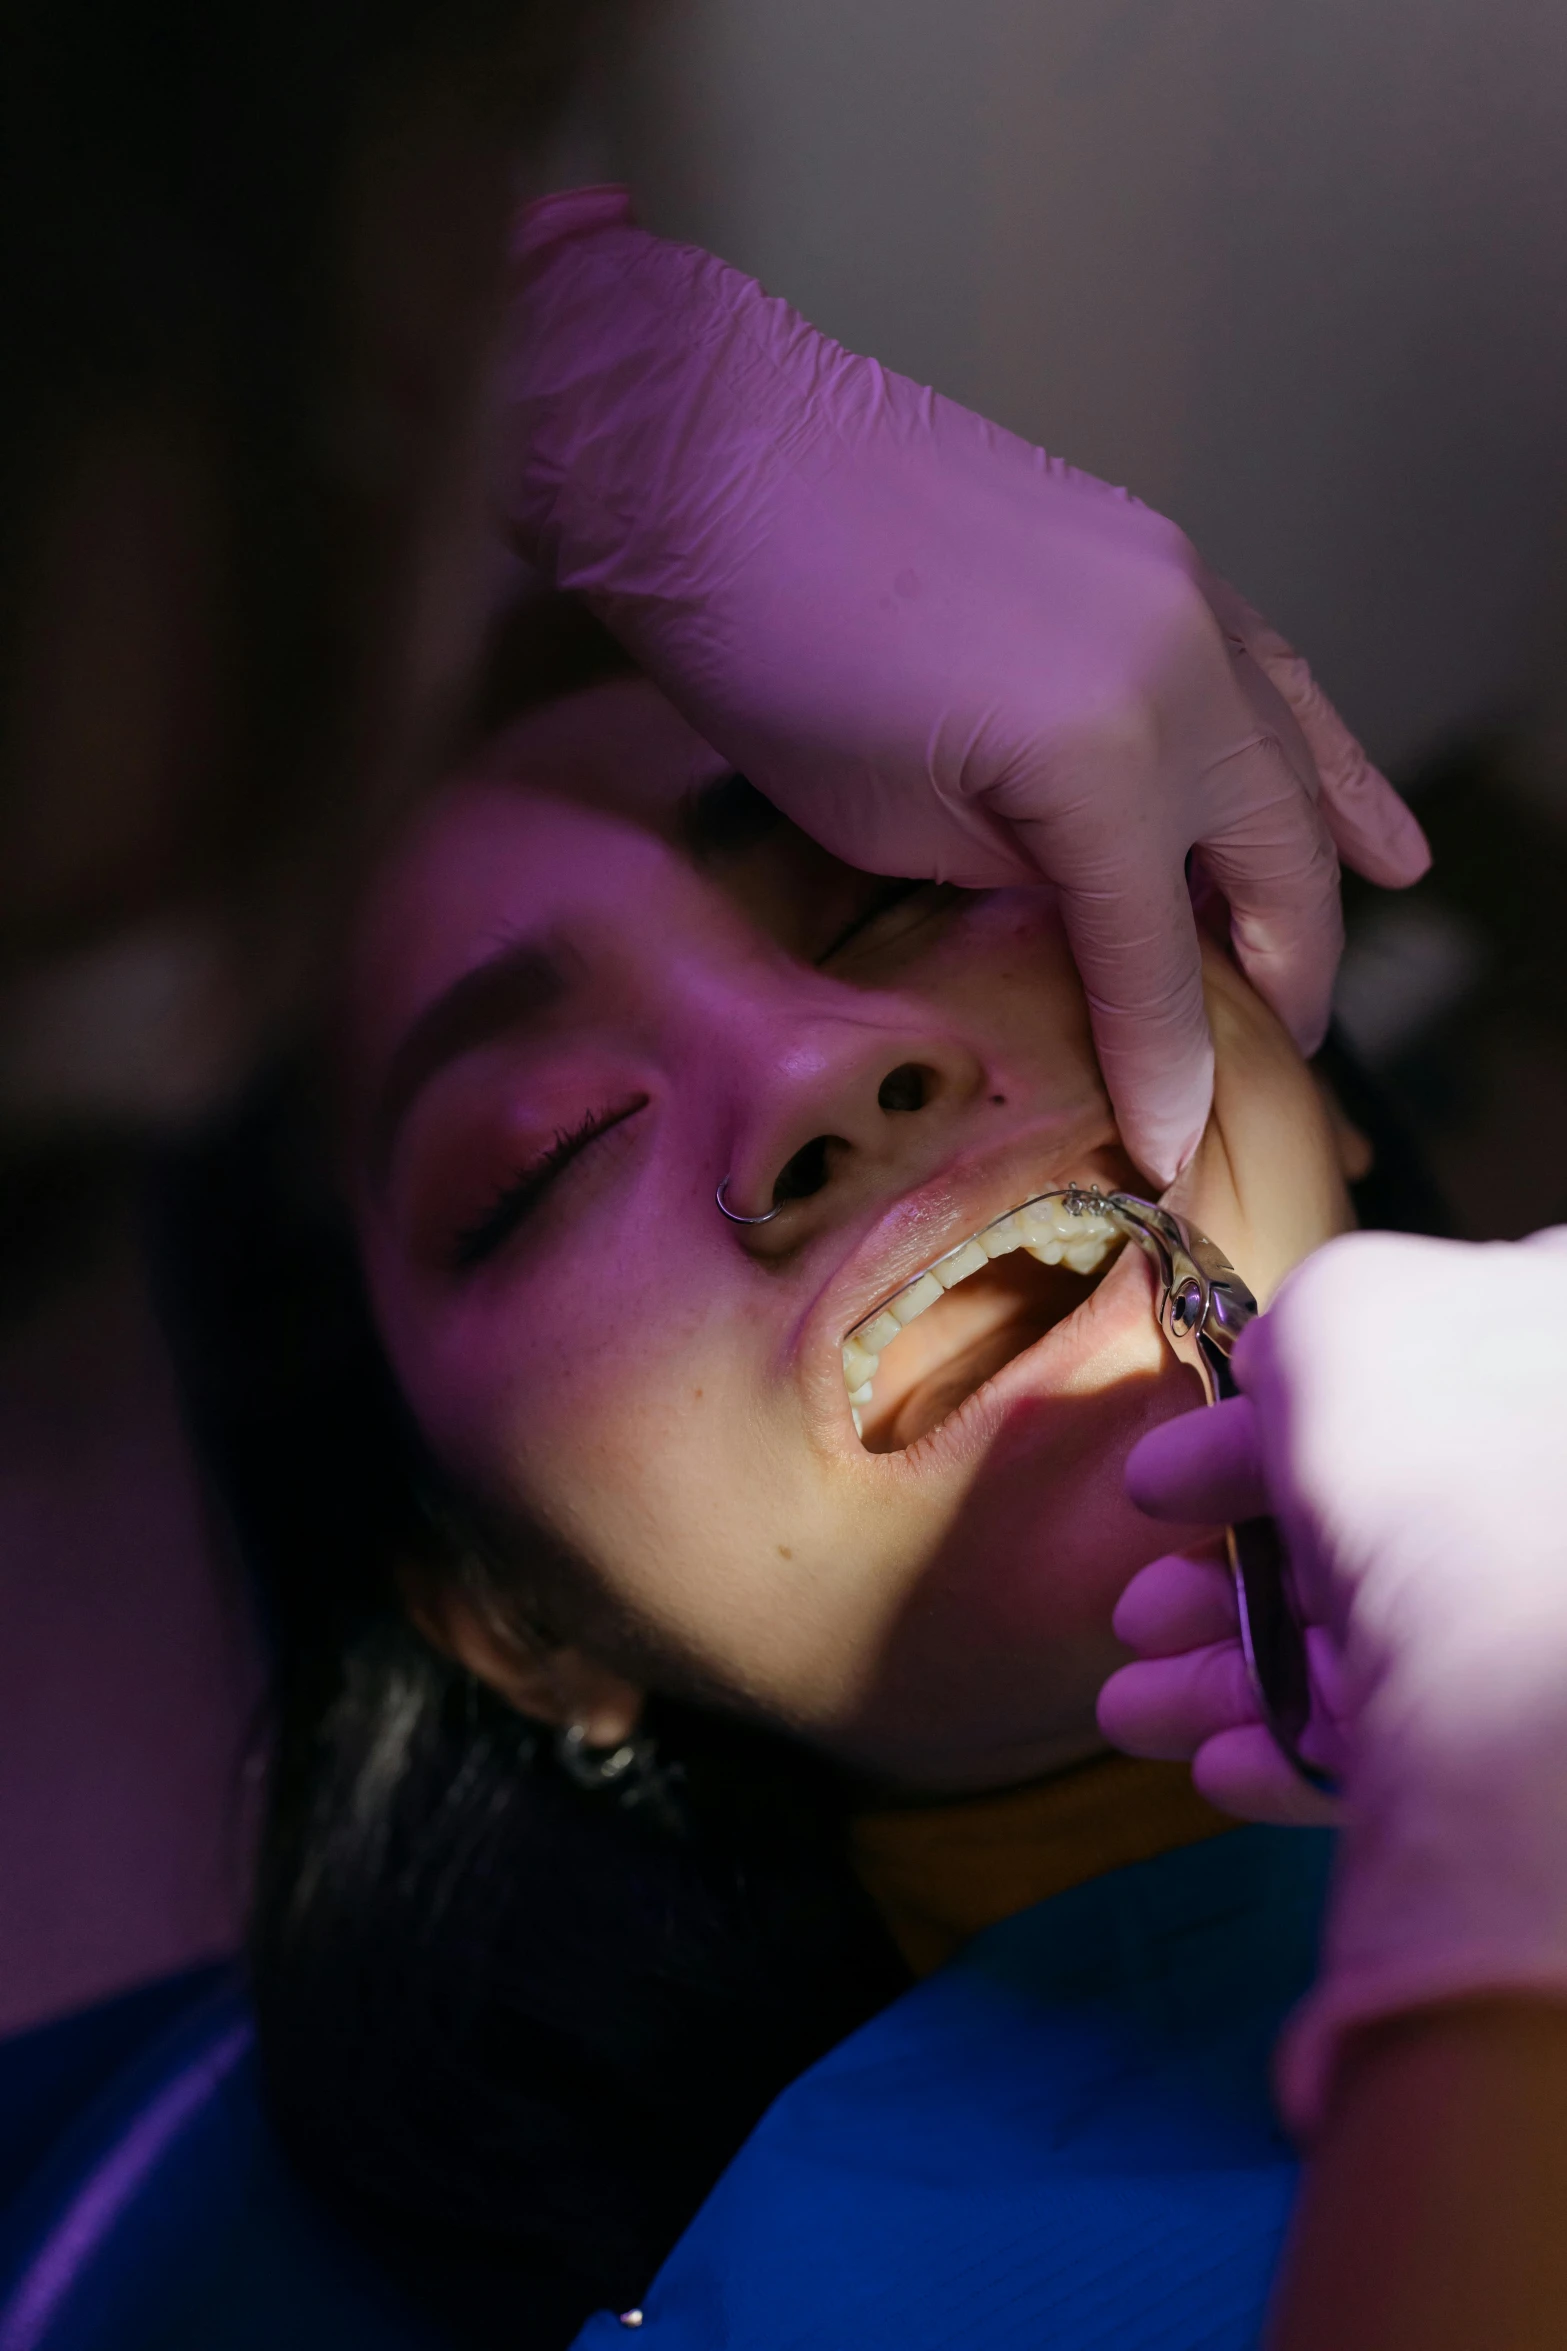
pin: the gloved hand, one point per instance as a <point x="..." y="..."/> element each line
<point x="940" y="650"/>
<point x="1404" y="1411"/>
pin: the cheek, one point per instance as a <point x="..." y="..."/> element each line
<point x="1005" y="972"/>
<point x="717" y="1551"/>
<point x="651" y="1442"/>
<point x="560" y="1402"/>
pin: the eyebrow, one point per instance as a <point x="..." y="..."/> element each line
<point x="512" y="989"/>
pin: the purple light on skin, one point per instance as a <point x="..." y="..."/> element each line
<point x="105" y="2193"/>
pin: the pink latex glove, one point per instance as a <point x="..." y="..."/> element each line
<point x="940" y="650"/>
<point x="1405" y="1413"/>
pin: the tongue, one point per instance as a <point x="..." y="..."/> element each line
<point x="962" y="1341"/>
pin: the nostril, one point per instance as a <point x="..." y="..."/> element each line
<point x="805" y="1173"/>
<point x="908" y="1087"/>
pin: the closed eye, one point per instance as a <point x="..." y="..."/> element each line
<point x="914" y="899"/>
<point x="521" y="1193"/>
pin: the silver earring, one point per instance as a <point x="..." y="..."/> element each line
<point x="734" y="1215"/>
<point x="626" y="1771"/>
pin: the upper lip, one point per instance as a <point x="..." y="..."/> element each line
<point x="923" y="1224"/>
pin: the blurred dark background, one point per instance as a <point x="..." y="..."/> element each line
<point x="1454" y="995"/>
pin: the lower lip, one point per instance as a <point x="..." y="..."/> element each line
<point x="1121" y="1306"/>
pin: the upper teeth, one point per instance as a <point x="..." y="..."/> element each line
<point x="1059" y="1228"/>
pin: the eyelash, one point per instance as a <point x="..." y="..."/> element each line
<point x="886" y="901"/>
<point x="521" y="1193"/>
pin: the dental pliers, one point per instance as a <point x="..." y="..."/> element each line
<point x="1203" y="1308"/>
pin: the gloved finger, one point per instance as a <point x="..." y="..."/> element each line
<point x="1165" y="1707"/>
<point x="1134" y="939"/>
<point x="1268" y="849"/>
<point x="1205" y="1465"/>
<point x="1376" y="833"/>
<point x="1373" y="830"/>
<point x="1242" y="1771"/>
<point x="1176" y="1603"/>
<point x="1330" y="1706"/>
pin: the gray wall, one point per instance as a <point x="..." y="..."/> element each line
<point x="1296" y="270"/>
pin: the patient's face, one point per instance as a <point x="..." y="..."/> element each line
<point x="588" y="992"/>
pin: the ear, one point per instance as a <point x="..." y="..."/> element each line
<point x="549" y="1682"/>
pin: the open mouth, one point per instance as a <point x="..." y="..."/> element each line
<point x="949" y="1328"/>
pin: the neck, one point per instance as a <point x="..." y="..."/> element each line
<point x="942" y="1871"/>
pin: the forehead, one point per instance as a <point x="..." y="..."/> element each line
<point x="619" y="747"/>
<point x="576" y="802"/>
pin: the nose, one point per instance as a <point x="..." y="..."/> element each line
<point x="843" y="1109"/>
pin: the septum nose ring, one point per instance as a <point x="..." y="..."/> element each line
<point x="734" y="1215"/>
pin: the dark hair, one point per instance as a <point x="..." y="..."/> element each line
<point x="510" y="2028"/>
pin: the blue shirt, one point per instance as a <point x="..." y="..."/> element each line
<point x="1064" y="2140"/>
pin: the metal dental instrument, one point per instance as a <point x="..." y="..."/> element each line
<point x="1203" y="1308"/>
